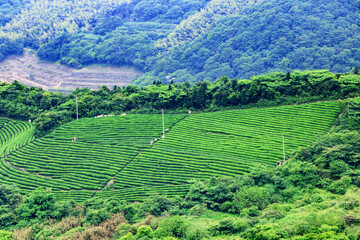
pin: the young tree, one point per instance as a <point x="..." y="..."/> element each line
<point x="356" y="70"/>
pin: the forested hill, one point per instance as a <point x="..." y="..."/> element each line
<point x="187" y="40"/>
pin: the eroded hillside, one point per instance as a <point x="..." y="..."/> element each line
<point x="29" y="70"/>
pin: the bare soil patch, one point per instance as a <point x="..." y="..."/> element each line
<point x="30" y="71"/>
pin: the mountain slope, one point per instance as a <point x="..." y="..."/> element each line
<point x="121" y="151"/>
<point x="191" y="40"/>
<point x="270" y="36"/>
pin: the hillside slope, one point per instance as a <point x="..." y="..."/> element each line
<point x="114" y="155"/>
<point x="266" y="37"/>
<point x="191" y="40"/>
<point x="29" y="70"/>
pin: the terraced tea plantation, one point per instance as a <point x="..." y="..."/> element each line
<point x="222" y="144"/>
<point x="14" y="134"/>
<point x="81" y="157"/>
<point x="112" y="156"/>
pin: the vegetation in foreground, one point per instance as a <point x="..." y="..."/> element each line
<point x="315" y="195"/>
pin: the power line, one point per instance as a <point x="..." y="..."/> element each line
<point x="77" y="109"/>
<point x="163" y="121"/>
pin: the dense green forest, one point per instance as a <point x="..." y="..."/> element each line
<point x="188" y="40"/>
<point x="314" y="195"/>
<point x="271" y="36"/>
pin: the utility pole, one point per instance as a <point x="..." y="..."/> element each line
<point x="163" y="136"/>
<point x="77" y="109"/>
<point x="283" y="138"/>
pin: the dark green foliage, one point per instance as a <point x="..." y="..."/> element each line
<point x="62" y="209"/>
<point x="259" y="41"/>
<point x="250" y="41"/>
<point x="247" y="197"/>
<point x="9" y="195"/>
<point x="157" y="205"/>
<point x="356" y="70"/>
<point x="172" y="227"/>
<point x="52" y="51"/>
<point x="9" y="199"/>
<point x="125" y="35"/>
<point x="9" y="47"/>
<point x="229" y="226"/>
<point x="340" y="186"/>
<point x="302" y="174"/>
<point x="38" y="204"/>
<point x="144" y="232"/>
<point x="9" y="9"/>
<point x="95" y="217"/>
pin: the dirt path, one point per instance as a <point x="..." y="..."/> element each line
<point x="24" y="170"/>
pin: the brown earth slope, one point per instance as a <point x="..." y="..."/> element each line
<point x="29" y="70"/>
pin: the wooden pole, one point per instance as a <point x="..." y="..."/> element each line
<point x="163" y="136"/>
<point x="283" y="138"/>
<point x="77" y="109"/>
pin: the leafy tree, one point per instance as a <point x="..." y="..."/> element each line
<point x="38" y="204"/>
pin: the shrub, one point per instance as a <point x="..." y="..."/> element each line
<point x="95" y="217"/>
<point x="5" y="235"/>
<point x="273" y="214"/>
<point x="196" y="231"/>
<point x="247" y="197"/>
<point x="340" y="186"/>
<point x="172" y="227"/>
<point x="38" y="204"/>
<point x="122" y="229"/>
<point x="128" y="236"/>
<point x="229" y="226"/>
<point x="144" y="232"/>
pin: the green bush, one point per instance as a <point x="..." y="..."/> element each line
<point x="122" y="229"/>
<point x="5" y="235"/>
<point x="144" y="232"/>
<point x="229" y="226"/>
<point x="247" y="197"/>
<point x="172" y="227"/>
<point x="128" y="236"/>
<point x="196" y="231"/>
<point x="95" y="217"/>
<point x="340" y="186"/>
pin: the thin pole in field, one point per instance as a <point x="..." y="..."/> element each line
<point x="283" y="138"/>
<point x="163" y="136"/>
<point x="77" y="109"/>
